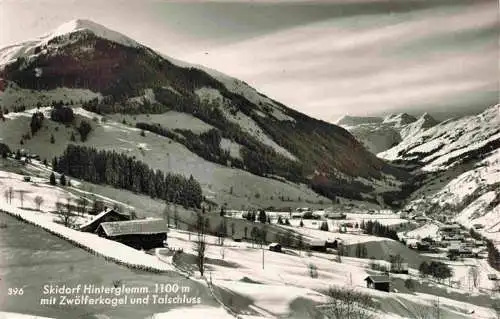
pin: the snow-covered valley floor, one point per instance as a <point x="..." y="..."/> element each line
<point x="251" y="281"/>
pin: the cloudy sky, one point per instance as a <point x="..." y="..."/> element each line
<point x="325" y="58"/>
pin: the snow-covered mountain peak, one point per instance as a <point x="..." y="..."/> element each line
<point x="379" y="134"/>
<point x="427" y="118"/>
<point x="90" y="26"/>
<point x="399" y="119"/>
<point x="61" y="36"/>
<point x="348" y="120"/>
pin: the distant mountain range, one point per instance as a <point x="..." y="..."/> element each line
<point x="378" y="134"/>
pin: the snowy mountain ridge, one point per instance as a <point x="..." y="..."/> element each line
<point x="61" y="36"/>
<point x="459" y="162"/>
<point x="90" y="67"/>
<point x="378" y="134"/>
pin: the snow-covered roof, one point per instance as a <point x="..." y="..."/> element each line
<point x="97" y="217"/>
<point x="378" y="279"/>
<point x="140" y="226"/>
<point x="316" y="242"/>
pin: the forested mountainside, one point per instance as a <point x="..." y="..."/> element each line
<point x="127" y="78"/>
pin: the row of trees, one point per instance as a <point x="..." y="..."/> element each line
<point x="62" y="180"/>
<point x="36" y="122"/>
<point x="261" y="216"/>
<point x="436" y="269"/>
<point x="9" y="195"/>
<point x="493" y="253"/>
<point x="121" y="171"/>
<point x="62" y="114"/>
<point x="375" y="228"/>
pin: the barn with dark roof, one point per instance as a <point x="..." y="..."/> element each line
<point x="382" y="283"/>
<point x="139" y="234"/>
<point x="107" y="215"/>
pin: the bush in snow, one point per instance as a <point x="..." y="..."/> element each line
<point x="313" y="270"/>
<point x="53" y="179"/>
<point x="410" y="284"/>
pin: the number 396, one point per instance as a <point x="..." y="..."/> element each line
<point x="15" y="291"/>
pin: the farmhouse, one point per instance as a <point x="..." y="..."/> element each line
<point x="139" y="234"/>
<point x="108" y="215"/>
<point x="381" y="283"/>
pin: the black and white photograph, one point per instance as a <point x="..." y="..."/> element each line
<point x="279" y="159"/>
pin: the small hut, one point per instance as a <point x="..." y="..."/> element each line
<point x="381" y="283"/>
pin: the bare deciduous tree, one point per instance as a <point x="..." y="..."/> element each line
<point x="176" y="217"/>
<point x="201" y="243"/>
<point x="474" y="275"/>
<point x="347" y="303"/>
<point x="38" y="201"/>
<point x="166" y="214"/>
<point x="9" y="194"/>
<point x="340" y="253"/>
<point x="221" y="233"/>
<point x="66" y="217"/>
<point x="82" y="204"/>
<point x="437" y="307"/>
<point x="132" y="215"/>
<point x="21" y="193"/>
<point x="419" y="311"/>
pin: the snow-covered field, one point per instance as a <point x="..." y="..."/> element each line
<point x="272" y="290"/>
<point x="274" y="281"/>
<point x="171" y="120"/>
<point x="47" y="221"/>
<point x="245" y="122"/>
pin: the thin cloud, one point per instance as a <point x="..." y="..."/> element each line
<point x="362" y="65"/>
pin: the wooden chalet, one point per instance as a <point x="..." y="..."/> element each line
<point x="381" y="283"/>
<point x="139" y="234"/>
<point x="107" y="215"/>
